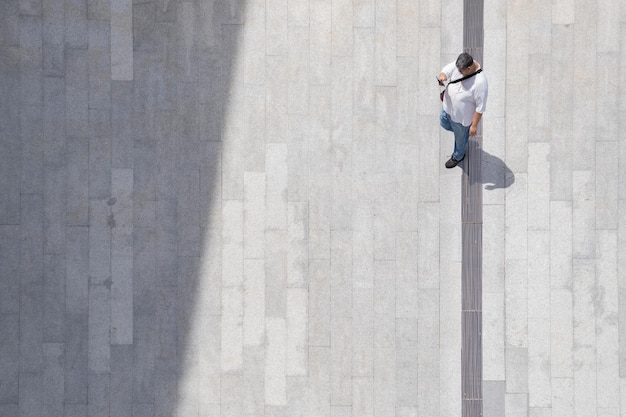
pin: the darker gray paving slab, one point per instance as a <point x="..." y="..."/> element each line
<point x="54" y="299"/>
<point x="76" y="359"/>
<point x="98" y="9"/>
<point x="9" y="358"/>
<point x="31" y="133"/>
<point x="76" y="26"/>
<point x="99" y="65"/>
<point x="30" y="7"/>
<point x="144" y="155"/>
<point x="9" y="269"/>
<point x="99" y="328"/>
<point x="166" y="393"/>
<point x="30" y="401"/>
<point x="55" y="198"/>
<point x="99" y="395"/>
<point x="144" y="356"/>
<point x="166" y="354"/>
<point x="75" y="410"/>
<point x="122" y="124"/>
<point x="9" y="410"/>
<point x="99" y="161"/>
<point x="121" y="380"/>
<point x="54" y="121"/>
<point x="144" y="27"/>
<point x="77" y="185"/>
<point x="52" y="379"/>
<point x="76" y="94"/>
<point x="77" y="270"/>
<point x="9" y="23"/>
<point x="53" y="37"/>
<point x="144" y="271"/>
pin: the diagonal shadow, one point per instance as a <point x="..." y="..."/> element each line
<point x="494" y="172"/>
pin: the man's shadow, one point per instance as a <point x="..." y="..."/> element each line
<point x="494" y="172"/>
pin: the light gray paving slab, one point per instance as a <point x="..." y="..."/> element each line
<point x="583" y="214"/>
<point x="407" y="368"/>
<point x="607" y="337"/>
<point x="562" y="396"/>
<point x="343" y="20"/>
<point x="384" y="381"/>
<point x="494" y="364"/>
<point x="385" y="42"/>
<point x="363" y="393"/>
<point x="561" y="334"/>
<point x="275" y="362"/>
<point x="254" y="302"/>
<point x="318" y="393"/>
<point x="384" y="304"/>
<point x="297" y="338"/>
<point x="362" y="331"/>
<point x="319" y="302"/>
<point x="341" y="361"/>
<point x="407" y="284"/>
<point x="493" y="398"/>
<point x="276" y="273"/>
<point x="560" y="244"/>
<point x="254" y="380"/>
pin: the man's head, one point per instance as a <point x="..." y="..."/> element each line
<point x="464" y="62"/>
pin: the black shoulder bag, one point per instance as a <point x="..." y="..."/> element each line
<point x="457" y="81"/>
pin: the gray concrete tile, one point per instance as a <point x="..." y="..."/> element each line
<point x="319" y="302"/>
<point x="9" y="34"/>
<point x="9" y="269"/>
<point x="75" y="410"/>
<point x="30" y="402"/>
<point x="121" y="380"/>
<point x="77" y="186"/>
<point x="53" y="378"/>
<point x="9" y="358"/>
<point x="76" y="381"/>
<point x="341" y="361"/>
<point x="99" y="395"/>
<point x="99" y="328"/>
<point x="320" y="381"/>
<point x="53" y="38"/>
<point x="54" y="299"/>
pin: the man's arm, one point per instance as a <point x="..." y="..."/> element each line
<point x="475" y="120"/>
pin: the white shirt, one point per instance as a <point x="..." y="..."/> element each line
<point x="466" y="97"/>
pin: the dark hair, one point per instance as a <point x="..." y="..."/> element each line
<point x="464" y="60"/>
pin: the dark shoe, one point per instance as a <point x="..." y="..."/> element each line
<point x="451" y="163"/>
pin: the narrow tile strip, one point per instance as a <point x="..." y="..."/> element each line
<point x="471" y="217"/>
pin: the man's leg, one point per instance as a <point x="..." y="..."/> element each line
<point x="444" y="121"/>
<point x="461" y="138"/>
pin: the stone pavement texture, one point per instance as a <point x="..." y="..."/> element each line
<point x="239" y="208"/>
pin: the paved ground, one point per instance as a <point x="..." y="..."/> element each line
<point x="239" y="208"/>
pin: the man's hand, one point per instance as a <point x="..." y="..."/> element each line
<point x="473" y="130"/>
<point x="442" y="77"/>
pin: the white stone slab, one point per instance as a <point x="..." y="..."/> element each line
<point x="561" y="334"/>
<point x="561" y="244"/>
<point x="254" y="302"/>
<point x="232" y="329"/>
<point x="516" y="218"/>
<point x="516" y="296"/>
<point x="275" y="362"/>
<point x="493" y="336"/>
<point x="297" y="341"/>
<point x="232" y="238"/>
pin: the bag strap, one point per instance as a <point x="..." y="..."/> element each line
<point x="466" y="77"/>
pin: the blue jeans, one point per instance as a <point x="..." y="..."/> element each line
<point x="461" y="134"/>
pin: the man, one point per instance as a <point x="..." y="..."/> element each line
<point x="463" y="103"/>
